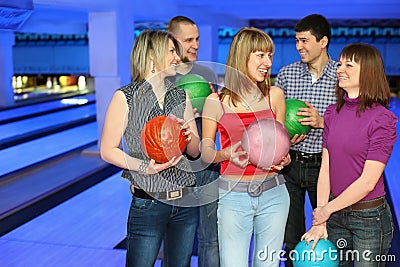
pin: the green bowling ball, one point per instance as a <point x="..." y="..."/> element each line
<point x="292" y="125"/>
<point x="197" y="88"/>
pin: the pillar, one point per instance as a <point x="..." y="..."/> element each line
<point x="7" y="41"/>
<point x="208" y="50"/>
<point x="111" y="37"/>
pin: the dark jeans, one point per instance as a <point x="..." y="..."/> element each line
<point x="363" y="237"/>
<point x="207" y="230"/>
<point x="300" y="178"/>
<point x="151" y="221"/>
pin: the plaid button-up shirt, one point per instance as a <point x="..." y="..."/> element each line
<point x="296" y="81"/>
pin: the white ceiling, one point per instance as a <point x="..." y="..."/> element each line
<point x="69" y="15"/>
<point x="242" y="9"/>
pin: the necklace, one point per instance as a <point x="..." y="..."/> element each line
<point x="247" y="104"/>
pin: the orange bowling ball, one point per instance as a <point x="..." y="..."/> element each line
<point x="161" y="139"/>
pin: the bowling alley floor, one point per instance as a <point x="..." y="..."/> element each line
<point x="82" y="231"/>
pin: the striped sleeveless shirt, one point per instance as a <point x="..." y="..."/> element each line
<point x="143" y="106"/>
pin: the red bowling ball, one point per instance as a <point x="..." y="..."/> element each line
<point x="161" y="139"/>
<point x="267" y="142"/>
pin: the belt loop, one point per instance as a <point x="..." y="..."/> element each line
<point x="277" y="179"/>
<point x="229" y="186"/>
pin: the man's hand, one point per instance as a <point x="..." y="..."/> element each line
<point x="297" y="139"/>
<point x="312" y="117"/>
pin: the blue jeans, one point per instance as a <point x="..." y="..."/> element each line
<point x="240" y="216"/>
<point x="207" y="232"/>
<point x="151" y="221"/>
<point x="362" y="237"/>
<point x="300" y="178"/>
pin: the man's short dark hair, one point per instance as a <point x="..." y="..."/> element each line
<point x="317" y="24"/>
<point x="173" y="24"/>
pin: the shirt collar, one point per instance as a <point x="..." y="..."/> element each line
<point x="145" y="85"/>
<point x="350" y="101"/>
<point x="329" y="69"/>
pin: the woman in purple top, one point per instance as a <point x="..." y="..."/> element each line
<point x="358" y="139"/>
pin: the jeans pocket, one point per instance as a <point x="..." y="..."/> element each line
<point x="142" y="204"/>
<point x="371" y="214"/>
<point x="387" y="222"/>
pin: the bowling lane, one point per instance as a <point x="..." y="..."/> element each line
<point x="38" y="150"/>
<point x="81" y="231"/>
<point x="16" y="113"/>
<point x="14" y="131"/>
<point x="43" y="186"/>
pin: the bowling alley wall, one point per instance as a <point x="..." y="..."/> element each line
<point x="49" y="63"/>
<point x="383" y="34"/>
<point x="43" y="55"/>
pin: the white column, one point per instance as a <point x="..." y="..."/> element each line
<point x="208" y="50"/>
<point x="7" y="41"/>
<point x="110" y="41"/>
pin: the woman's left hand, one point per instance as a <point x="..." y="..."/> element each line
<point x="184" y="126"/>
<point x="320" y="215"/>
<point x="154" y="167"/>
<point x="285" y="161"/>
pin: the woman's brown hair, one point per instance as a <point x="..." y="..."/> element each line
<point x="374" y="86"/>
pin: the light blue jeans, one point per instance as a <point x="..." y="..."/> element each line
<point x="240" y="216"/>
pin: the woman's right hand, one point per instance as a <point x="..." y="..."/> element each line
<point x="154" y="167"/>
<point x="315" y="233"/>
<point x="285" y="161"/>
<point x="239" y="158"/>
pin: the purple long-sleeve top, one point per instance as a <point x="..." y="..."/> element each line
<point x="352" y="139"/>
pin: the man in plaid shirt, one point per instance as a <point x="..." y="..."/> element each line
<point x="313" y="80"/>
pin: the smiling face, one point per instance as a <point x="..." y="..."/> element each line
<point x="188" y="36"/>
<point x="171" y="60"/>
<point x="348" y="74"/>
<point x="309" y="48"/>
<point x="249" y="62"/>
<point x="258" y="65"/>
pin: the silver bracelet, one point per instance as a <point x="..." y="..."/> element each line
<point x="143" y="166"/>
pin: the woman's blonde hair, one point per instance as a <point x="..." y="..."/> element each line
<point x="237" y="79"/>
<point x="150" y="43"/>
